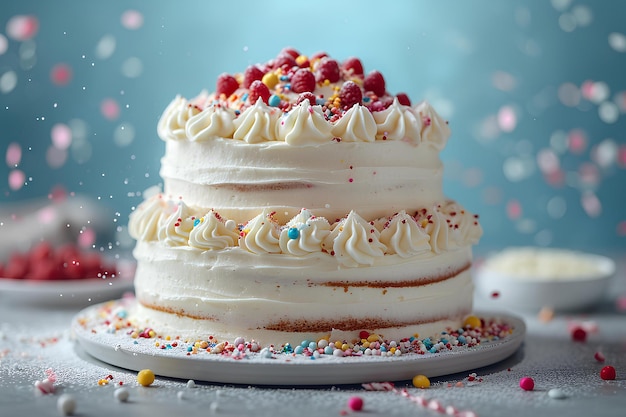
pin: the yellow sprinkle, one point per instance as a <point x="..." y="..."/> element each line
<point x="326" y="82"/>
<point x="372" y="338"/>
<point x="392" y="350"/>
<point x="270" y="79"/>
<point x="156" y="344"/>
<point x="472" y="322"/>
<point x="168" y="338"/>
<point x="103" y="382"/>
<point x="345" y="346"/>
<point x="421" y="381"/>
<point x="365" y="343"/>
<point x="301" y="59"/>
<point x="134" y="335"/>
<point x="145" y="377"/>
<point x="204" y="344"/>
<point x="151" y="333"/>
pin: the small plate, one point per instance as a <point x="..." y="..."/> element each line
<point x="529" y="279"/>
<point x="119" y="349"/>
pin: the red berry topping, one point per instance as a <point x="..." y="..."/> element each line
<point x="328" y="69"/>
<point x="350" y="94"/>
<point x="353" y="66"/>
<point x="303" y="81"/>
<point x="284" y="59"/>
<point x="375" y="83"/>
<point x="252" y="73"/>
<point x="318" y="55"/>
<point x="290" y="51"/>
<point x="403" y="99"/>
<point x="608" y="373"/>
<point x="258" y="89"/>
<point x="307" y="96"/>
<point x="382" y="104"/>
<point x="226" y="84"/>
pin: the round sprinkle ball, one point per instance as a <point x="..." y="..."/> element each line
<point x="579" y="335"/>
<point x="527" y="383"/>
<point x="421" y="381"/>
<point x="66" y="404"/>
<point x="472" y="322"/>
<point x="607" y="373"/>
<point x="556" y="393"/>
<point x="121" y="394"/>
<point x="355" y="403"/>
<point x="191" y="383"/>
<point x="145" y="377"/>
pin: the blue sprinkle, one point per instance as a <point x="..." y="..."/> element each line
<point x="135" y="342"/>
<point x="383" y="349"/>
<point x="189" y="348"/>
<point x="312" y="346"/>
<point x="244" y="97"/>
<point x="444" y="341"/>
<point x="284" y="78"/>
<point x="287" y="348"/>
<point x="293" y="233"/>
<point x="237" y="112"/>
<point x="320" y="101"/>
<point x="274" y="100"/>
<point x="366" y="99"/>
<point x="304" y="343"/>
<point x="461" y="339"/>
<point x="328" y="350"/>
<point x="298" y="350"/>
<point x="122" y="314"/>
<point x="312" y="357"/>
<point x="433" y="350"/>
<point x="168" y="346"/>
<point x="196" y="222"/>
<point x="412" y="339"/>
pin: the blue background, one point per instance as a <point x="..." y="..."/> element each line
<point x="516" y="79"/>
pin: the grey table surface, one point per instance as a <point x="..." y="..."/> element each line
<point x="35" y="338"/>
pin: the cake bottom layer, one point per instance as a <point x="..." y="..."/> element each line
<point x="275" y="298"/>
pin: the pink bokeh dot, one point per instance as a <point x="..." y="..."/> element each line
<point x="87" y="238"/>
<point x="621" y="156"/>
<point x="110" y="109"/>
<point x="507" y="119"/>
<point x="577" y="141"/>
<point x="513" y="209"/>
<point x="587" y="89"/>
<point x="591" y="204"/>
<point x="61" y="74"/>
<point x="555" y="178"/>
<point x="22" y="27"/>
<point x="16" y="179"/>
<point x="621" y="228"/>
<point x="61" y="135"/>
<point x="132" y="19"/>
<point x="47" y="215"/>
<point x="14" y="154"/>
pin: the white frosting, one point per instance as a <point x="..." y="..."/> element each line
<point x="261" y="234"/>
<point x="356" y="125"/>
<point x="404" y="237"/>
<point x="310" y="232"/>
<point x="213" y="122"/>
<point x="435" y="130"/>
<point x="304" y="125"/>
<point x="213" y="233"/>
<point x="144" y="222"/>
<point x="173" y="122"/>
<point x="256" y="124"/>
<point x="174" y="231"/>
<point x="397" y="122"/>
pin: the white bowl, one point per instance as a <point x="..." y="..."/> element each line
<point x="528" y="278"/>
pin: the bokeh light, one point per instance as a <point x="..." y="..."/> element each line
<point x="16" y="179"/>
<point x="132" y="19"/>
<point x="61" y="74"/>
<point x="14" y="154"/>
<point x="110" y="109"/>
<point x="61" y="136"/>
<point x="22" y="27"/>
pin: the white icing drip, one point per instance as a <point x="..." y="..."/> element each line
<point x="144" y="222"/>
<point x="174" y="119"/>
<point x="311" y="233"/>
<point x="214" y="121"/>
<point x="354" y="242"/>
<point x="434" y="130"/>
<point x="304" y="125"/>
<point x="213" y="233"/>
<point x="356" y="125"/>
<point x="261" y="234"/>
<point x="404" y="237"/>
<point x="176" y="228"/>
<point x="397" y="122"/>
<point x="257" y="123"/>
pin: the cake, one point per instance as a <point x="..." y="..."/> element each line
<point x="302" y="201"/>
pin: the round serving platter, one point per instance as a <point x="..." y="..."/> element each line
<point x="93" y="333"/>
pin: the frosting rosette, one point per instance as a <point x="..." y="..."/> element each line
<point x="404" y="237"/>
<point x="304" y="234"/>
<point x="261" y="234"/>
<point x="211" y="232"/>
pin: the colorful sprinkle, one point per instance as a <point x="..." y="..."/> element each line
<point x="293" y="233"/>
<point x="527" y="383"/>
<point x="355" y="403"/>
<point x="608" y="373"/>
<point x="66" y="404"/>
<point x="557" y="394"/>
<point x="579" y="335"/>
<point x="421" y="381"/>
<point x="121" y="394"/>
<point x="145" y="377"/>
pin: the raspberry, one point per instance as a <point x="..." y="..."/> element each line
<point x="318" y="55"/>
<point x="403" y="99"/>
<point x="380" y="105"/>
<point x="353" y="66"/>
<point x="375" y="83"/>
<point x="252" y="73"/>
<point x="307" y="96"/>
<point x="328" y="69"/>
<point x="226" y="84"/>
<point x="284" y="59"/>
<point x="350" y="94"/>
<point x="258" y="89"/>
<point x="302" y="81"/>
<point x="290" y="51"/>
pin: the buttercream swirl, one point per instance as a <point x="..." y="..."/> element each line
<point x="212" y="122"/>
<point x="434" y="130"/>
<point x="436" y="225"/>
<point x="261" y="234"/>
<point x="397" y="122"/>
<point x="304" y="234"/>
<point x="174" y="119"/>
<point x="212" y="232"/>
<point x="356" y="125"/>
<point x="257" y="123"/>
<point x="144" y="222"/>
<point x="354" y="242"/>
<point x="176" y="228"/>
<point x="304" y="125"/>
<point x="404" y="237"/>
<point x="464" y="226"/>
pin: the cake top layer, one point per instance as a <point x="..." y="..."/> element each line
<point x="303" y="100"/>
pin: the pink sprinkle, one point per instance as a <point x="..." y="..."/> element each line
<point x="514" y="209"/>
<point x="355" y="403"/>
<point x="527" y="383"/>
<point x="351" y="180"/>
<point x="599" y="357"/>
<point x="22" y="27"/>
<point x="14" y="154"/>
<point x="577" y="141"/>
<point x="61" y="74"/>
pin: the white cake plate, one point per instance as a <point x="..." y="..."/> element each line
<point x="121" y="350"/>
